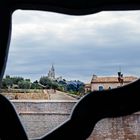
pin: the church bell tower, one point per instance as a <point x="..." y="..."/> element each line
<point x="51" y="74"/>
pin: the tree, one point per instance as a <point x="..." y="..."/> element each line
<point x="75" y="86"/>
<point x="7" y="77"/>
<point x="28" y="80"/>
<point x="62" y="85"/>
<point x="4" y="85"/>
<point x="17" y="79"/>
<point x="24" y="84"/>
<point x="35" y="85"/>
<point x="45" y="81"/>
<point x="54" y="85"/>
<point x="7" y="82"/>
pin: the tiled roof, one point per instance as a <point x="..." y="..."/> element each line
<point x="126" y="79"/>
<point x="88" y="85"/>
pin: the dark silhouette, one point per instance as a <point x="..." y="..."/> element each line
<point x="91" y="108"/>
<point x="120" y="78"/>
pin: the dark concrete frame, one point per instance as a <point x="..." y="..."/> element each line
<point x="91" y="108"/>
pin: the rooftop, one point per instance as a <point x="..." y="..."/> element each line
<point x="113" y="79"/>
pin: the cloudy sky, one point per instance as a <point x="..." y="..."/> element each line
<point x="77" y="46"/>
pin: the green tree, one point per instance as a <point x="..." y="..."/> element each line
<point x="16" y="80"/>
<point x="28" y="80"/>
<point x="7" y="82"/>
<point x="24" y="84"/>
<point x="44" y="80"/>
<point x="35" y="85"/>
<point x="54" y="85"/>
<point x="76" y="87"/>
<point x="4" y="85"/>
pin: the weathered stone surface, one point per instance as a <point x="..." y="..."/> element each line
<point x="44" y="106"/>
<point x="123" y="128"/>
<point x="37" y="125"/>
<point x="40" y="117"/>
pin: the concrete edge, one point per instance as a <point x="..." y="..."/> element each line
<point x="44" y="101"/>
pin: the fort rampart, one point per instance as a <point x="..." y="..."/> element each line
<point x="40" y="117"/>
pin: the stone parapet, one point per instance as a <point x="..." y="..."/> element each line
<point x="40" y="117"/>
<point x="42" y="106"/>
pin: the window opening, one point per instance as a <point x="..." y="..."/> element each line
<point x="53" y="54"/>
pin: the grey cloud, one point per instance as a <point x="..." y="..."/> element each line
<point x="77" y="49"/>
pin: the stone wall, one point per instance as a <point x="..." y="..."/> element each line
<point x="40" y="117"/>
<point x="123" y="128"/>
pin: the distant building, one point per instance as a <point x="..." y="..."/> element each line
<point x="87" y="88"/>
<point x="107" y="82"/>
<point x="51" y="73"/>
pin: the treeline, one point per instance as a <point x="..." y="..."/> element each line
<point x="73" y="87"/>
<point x="16" y="82"/>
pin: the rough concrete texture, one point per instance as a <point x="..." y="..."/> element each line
<point x="123" y="128"/>
<point x="40" y="117"/>
<point x="37" y="125"/>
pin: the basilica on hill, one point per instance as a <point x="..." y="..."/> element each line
<point x="51" y="73"/>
